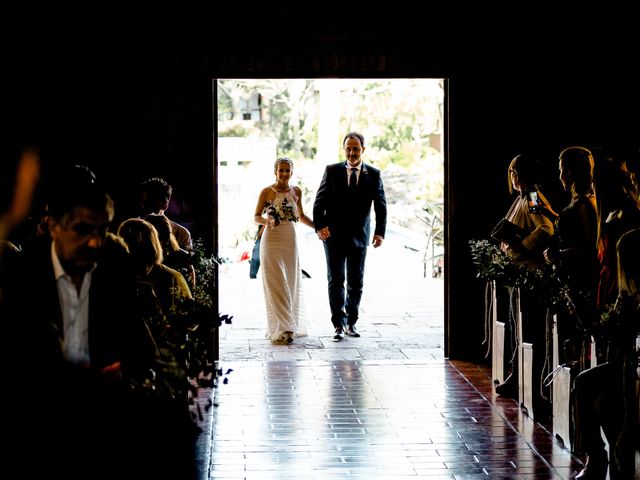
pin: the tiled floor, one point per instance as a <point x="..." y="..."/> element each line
<point x="387" y="405"/>
<point x="373" y="419"/>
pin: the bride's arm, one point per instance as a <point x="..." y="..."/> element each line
<point x="303" y="218"/>
<point x="263" y="201"/>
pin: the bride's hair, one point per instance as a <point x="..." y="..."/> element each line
<point x="282" y="160"/>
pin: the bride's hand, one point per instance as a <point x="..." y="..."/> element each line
<point x="272" y="222"/>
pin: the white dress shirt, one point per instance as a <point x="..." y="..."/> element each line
<point x="75" y="313"/>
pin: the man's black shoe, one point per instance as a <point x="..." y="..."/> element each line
<point x="351" y="331"/>
<point x="337" y="336"/>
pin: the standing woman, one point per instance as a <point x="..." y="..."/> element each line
<point x="533" y="219"/>
<point x="574" y="253"/>
<point x="531" y="212"/>
<point x="279" y="206"/>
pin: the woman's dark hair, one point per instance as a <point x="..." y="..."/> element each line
<point x="579" y="162"/>
<point x="526" y="167"/>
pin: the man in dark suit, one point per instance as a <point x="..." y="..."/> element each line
<point x="342" y="218"/>
<point x="74" y="339"/>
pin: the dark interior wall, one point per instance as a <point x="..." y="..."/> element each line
<point x="500" y="110"/>
<point x="130" y="95"/>
<point x="125" y="130"/>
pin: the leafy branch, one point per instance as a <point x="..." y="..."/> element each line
<point x="185" y="337"/>
<point x="542" y="283"/>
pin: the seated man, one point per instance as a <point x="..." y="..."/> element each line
<point x="75" y="342"/>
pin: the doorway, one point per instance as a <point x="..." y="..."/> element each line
<point x="402" y="120"/>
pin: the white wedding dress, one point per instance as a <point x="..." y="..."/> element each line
<point x="282" y="277"/>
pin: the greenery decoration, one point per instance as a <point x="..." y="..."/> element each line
<point x="185" y="337"/>
<point x="542" y="282"/>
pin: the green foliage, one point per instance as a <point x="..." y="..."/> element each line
<point x="289" y="111"/>
<point x="234" y="131"/>
<point x="185" y="337"/>
<point x="543" y="284"/>
<point x="492" y="263"/>
<point x="398" y="116"/>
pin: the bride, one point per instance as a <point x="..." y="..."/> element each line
<point x="279" y="207"/>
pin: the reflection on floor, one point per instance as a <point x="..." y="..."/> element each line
<point x="384" y="419"/>
<point x="387" y="405"/>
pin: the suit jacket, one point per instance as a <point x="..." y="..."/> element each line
<point x="95" y="416"/>
<point x="32" y="315"/>
<point x="347" y="213"/>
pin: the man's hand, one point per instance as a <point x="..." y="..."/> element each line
<point x="377" y="241"/>
<point x="323" y="233"/>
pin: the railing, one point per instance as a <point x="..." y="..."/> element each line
<point x="433" y="251"/>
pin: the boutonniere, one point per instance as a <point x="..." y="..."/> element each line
<point x="364" y="170"/>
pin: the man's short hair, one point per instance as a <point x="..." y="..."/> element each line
<point x="157" y="187"/>
<point x="155" y="194"/>
<point x="357" y="135"/>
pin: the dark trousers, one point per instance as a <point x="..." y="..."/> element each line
<point x="344" y="263"/>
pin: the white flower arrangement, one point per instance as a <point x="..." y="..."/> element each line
<point x="284" y="211"/>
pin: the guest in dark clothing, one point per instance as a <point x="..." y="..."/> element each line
<point x="173" y="255"/>
<point x="618" y="212"/>
<point x="77" y="343"/>
<point x="155" y="197"/>
<point x="606" y="396"/>
<point x="535" y="222"/>
<point x="537" y="232"/>
<point x="574" y="253"/>
<point x="144" y="246"/>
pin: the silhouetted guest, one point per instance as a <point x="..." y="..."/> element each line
<point x="535" y="221"/>
<point x="155" y="197"/>
<point x="146" y="254"/>
<point x="606" y="396"/>
<point x="537" y="232"/>
<point x="173" y="255"/>
<point x="574" y="252"/>
<point x="73" y="341"/>
<point x="618" y="212"/>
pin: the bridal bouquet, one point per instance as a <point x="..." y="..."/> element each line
<point x="283" y="211"/>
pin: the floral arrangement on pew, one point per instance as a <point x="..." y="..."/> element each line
<point x="544" y="284"/>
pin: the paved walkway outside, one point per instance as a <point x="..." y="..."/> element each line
<point x="401" y="314"/>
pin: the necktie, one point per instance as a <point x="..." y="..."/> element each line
<point x="353" y="179"/>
